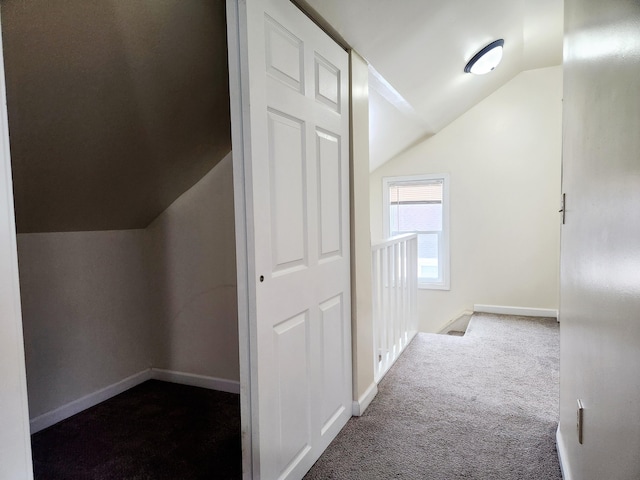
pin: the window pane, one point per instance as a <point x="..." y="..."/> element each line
<point x="428" y="256"/>
<point x="415" y="207"/>
<point x="393" y="221"/>
<point x="417" y="217"/>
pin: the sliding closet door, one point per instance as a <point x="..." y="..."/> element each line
<point x="290" y="117"/>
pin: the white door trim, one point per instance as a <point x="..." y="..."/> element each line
<point x="236" y="34"/>
<point x="15" y="440"/>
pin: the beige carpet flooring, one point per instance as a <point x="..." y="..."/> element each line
<point x="482" y="406"/>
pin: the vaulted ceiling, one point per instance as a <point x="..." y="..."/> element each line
<point x="115" y="107"/>
<point x="418" y="50"/>
<point x="118" y="107"/>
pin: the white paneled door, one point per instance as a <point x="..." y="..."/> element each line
<point x="289" y="89"/>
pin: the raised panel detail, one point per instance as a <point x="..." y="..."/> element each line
<point x="329" y="193"/>
<point x="327" y="78"/>
<point x="284" y="55"/>
<point x="291" y="350"/>
<point x="287" y="176"/>
<point x="333" y="361"/>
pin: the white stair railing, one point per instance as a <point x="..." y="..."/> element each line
<point x="395" y="292"/>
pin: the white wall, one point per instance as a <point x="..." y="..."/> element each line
<point x="192" y="247"/>
<point x="85" y="308"/>
<point x="101" y="306"/>
<point x="600" y="280"/>
<point x="361" y="300"/>
<point x="503" y="156"/>
<point x="391" y="129"/>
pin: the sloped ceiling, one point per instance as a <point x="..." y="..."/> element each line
<point x="115" y="107"/>
<point x="418" y="50"/>
<point x="118" y="107"/>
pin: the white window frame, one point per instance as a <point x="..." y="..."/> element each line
<point x="443" y="244"/>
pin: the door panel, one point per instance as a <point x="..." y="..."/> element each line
<point x="291" y="340"/>
<point x="330" y="204"/>
<point x="327" y="82"/>
<point x="291" y="138"/>
<point x="288" y="203"/>
<point x="333" y="363"/>
<point x="284" y="55"/>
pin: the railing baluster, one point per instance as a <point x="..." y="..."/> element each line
<point x="392" y="304"/>
<point x="403" y="294"/>
<point x="385" y="309"/>
<point x="398" y="319"/>
<point x="395" y="284"/>
<point x="375" y="297"/>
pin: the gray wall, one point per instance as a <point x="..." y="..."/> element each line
<point x="85" y="310"/>
<point x="101" y="306"/>
<point x="116" y="107"/>
<point x="600" y="259"/>
<point x="192" y="248"/>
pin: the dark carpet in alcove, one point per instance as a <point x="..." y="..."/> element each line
<point x="154" y="431"/>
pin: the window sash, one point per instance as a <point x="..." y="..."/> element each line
<point x="392" y="190"/>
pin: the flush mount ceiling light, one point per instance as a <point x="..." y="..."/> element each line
<point x="486" y="59"/>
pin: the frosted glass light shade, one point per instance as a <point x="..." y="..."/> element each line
<point x="486" y="59"/>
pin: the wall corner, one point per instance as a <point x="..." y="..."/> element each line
<point x="361" y="289"/>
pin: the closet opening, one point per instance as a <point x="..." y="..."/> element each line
<point x="121" y="156"/>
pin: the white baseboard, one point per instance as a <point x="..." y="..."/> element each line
<point x="65" y="411"/>
<point x="524" y="311"/>
<point x="191" y="379"/>
<point x="360" y="405"/>
<point x="563" y="457"/>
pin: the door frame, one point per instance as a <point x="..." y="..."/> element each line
<point x="15" y="454"/>
<point x="245" y="263"/>
<point x="15" y="436"/>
